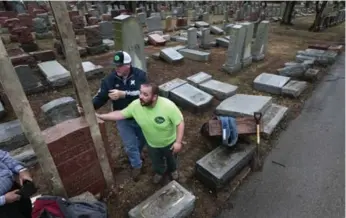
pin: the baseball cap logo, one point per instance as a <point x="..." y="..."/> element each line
<point x="116" y="58"/>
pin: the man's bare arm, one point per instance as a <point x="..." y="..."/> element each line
<point x="180" y="131"/>
<point x="111" y="116"/>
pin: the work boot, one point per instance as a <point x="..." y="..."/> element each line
<point x="135" y="173"/>
<point x="157" y="178"/>
<point x="175" y="175"/>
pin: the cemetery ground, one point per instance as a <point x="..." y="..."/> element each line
<point x="284" y="42"/>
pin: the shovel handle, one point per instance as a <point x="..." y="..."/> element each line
<point x="257" y="116"/>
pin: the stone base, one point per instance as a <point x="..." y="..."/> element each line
<point x="47" y="35"/>
<point x="246" y="62"/>
<point x="231" y="69"/>
<point x="29" y="47"/>
<point x="258" y="57"/>
<point x="272" y="117"/>
<point x="97" y="49"/>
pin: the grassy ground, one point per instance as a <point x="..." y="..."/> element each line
<point x="284" y="42"/>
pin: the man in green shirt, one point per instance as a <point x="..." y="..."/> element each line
<point x="162" y="124"/>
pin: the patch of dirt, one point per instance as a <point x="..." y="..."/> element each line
<point x="284" y="42"/>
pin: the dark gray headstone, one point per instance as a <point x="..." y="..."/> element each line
<point x="107" y="31"/>
<point x="171" y="201"/>
<point x="12" y="136"/>
<point x="60" y="110"/>
<point x="30" y="82"/>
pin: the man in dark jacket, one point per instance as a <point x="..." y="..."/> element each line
<point x="122" y="87"/>
<point x="11" y="203"/>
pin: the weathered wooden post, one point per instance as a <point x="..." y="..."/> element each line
<point x="16" y="95"/>
<point x="81" y="84"/>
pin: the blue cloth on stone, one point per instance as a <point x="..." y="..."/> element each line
<point x="229" y="130"/>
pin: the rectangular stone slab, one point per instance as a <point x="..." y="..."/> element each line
<point x="270" y="83"/>
<point x="55" y="73"/>
<point x="198" y="78"/>
<point x="169" y="86"/>
<point x="294" y="88"/>
<point x="12" y="136"/>
<point x="218" y="89"/>
<point x="30" y="82"/>
<point x="243" y="105"/>
<point x="218" y="167"/>
<point x="272" y="117"/>
<point x="200" y="24"/>
<point x="190" y="97"/>
<point x="195" y="55"/>
<point x="91" y="69"/>
<point x="171" y="201"/>
<point x="171" y="55"/>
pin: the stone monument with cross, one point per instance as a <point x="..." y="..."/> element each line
<point x="129" y="37"/>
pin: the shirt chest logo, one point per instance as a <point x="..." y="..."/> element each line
<point x="159" y="120"/>
<point x="132" y="82"/>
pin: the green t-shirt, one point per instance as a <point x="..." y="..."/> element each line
<point x="159" y="124"/>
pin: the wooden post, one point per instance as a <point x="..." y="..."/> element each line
<point x="81" y="84"/>
<point x="16" y="95"/>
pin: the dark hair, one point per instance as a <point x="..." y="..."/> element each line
<point x="154" y="87"/>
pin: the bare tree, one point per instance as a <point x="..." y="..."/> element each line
<point x="316" y="26"/>
<point x="288" y="13"/>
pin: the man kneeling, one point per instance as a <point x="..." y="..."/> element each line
<point x="162" y="124"/>
<point x="11" y="203"/>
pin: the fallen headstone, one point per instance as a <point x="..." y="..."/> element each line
<point x="222" y="42"/>
<point x="200" y="24"/>
<point x="270" y="83"/>
<point x="272" y="117"/>
<point x="30" y="82"/>
<point x="190" y="98"/>
<point x="296" y="70"/>
<point x="60" y="110"/>
<point x="165" y="88"/>
<point x="195" y="55"/>
<point x="171" y="201"/>
<point x="222" y="164"/>
<point x="171" y="55"/>
<point x="294" y="88"/>
<point x="156" y="39"/>
<point x="198" y="78"/>
<point x="243" y="105"/>
<point x="218" y="89"/>
<point x="313" y="74"/>
<point x="25" y="155"/>
<point x="91" y="69"/>
<point x="302" y="58"/>
<point x="216" y="30"/>
<point x="179" y="39"/>
<point x="55" y="73"/>
<point x="12" y="136"/>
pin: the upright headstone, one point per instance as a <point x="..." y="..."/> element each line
<point x="154" y="24"/>
<point x="106" y="28"/>
<point x="129" y="37"/>
<point x="71" y="146"/>
<point x="206" y="38"/>
<point x="246" y="51"/>
<point x="261" y="42"/>
<point x="94" y="40"/>
<point x="234" y="52"/>
<point x="192" y="38"/>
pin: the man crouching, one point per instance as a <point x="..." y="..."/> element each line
<point x="162" y="124"/>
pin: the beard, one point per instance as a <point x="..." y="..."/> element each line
<point x="146" y="104"/>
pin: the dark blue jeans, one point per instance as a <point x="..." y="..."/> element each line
<point x="133" y="140"/>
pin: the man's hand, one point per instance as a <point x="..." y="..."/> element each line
<point x="24" y="175"/>
<point x="176" y="147"/>
<point x="11" y="197"/>
<point x="115" y="94"/>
